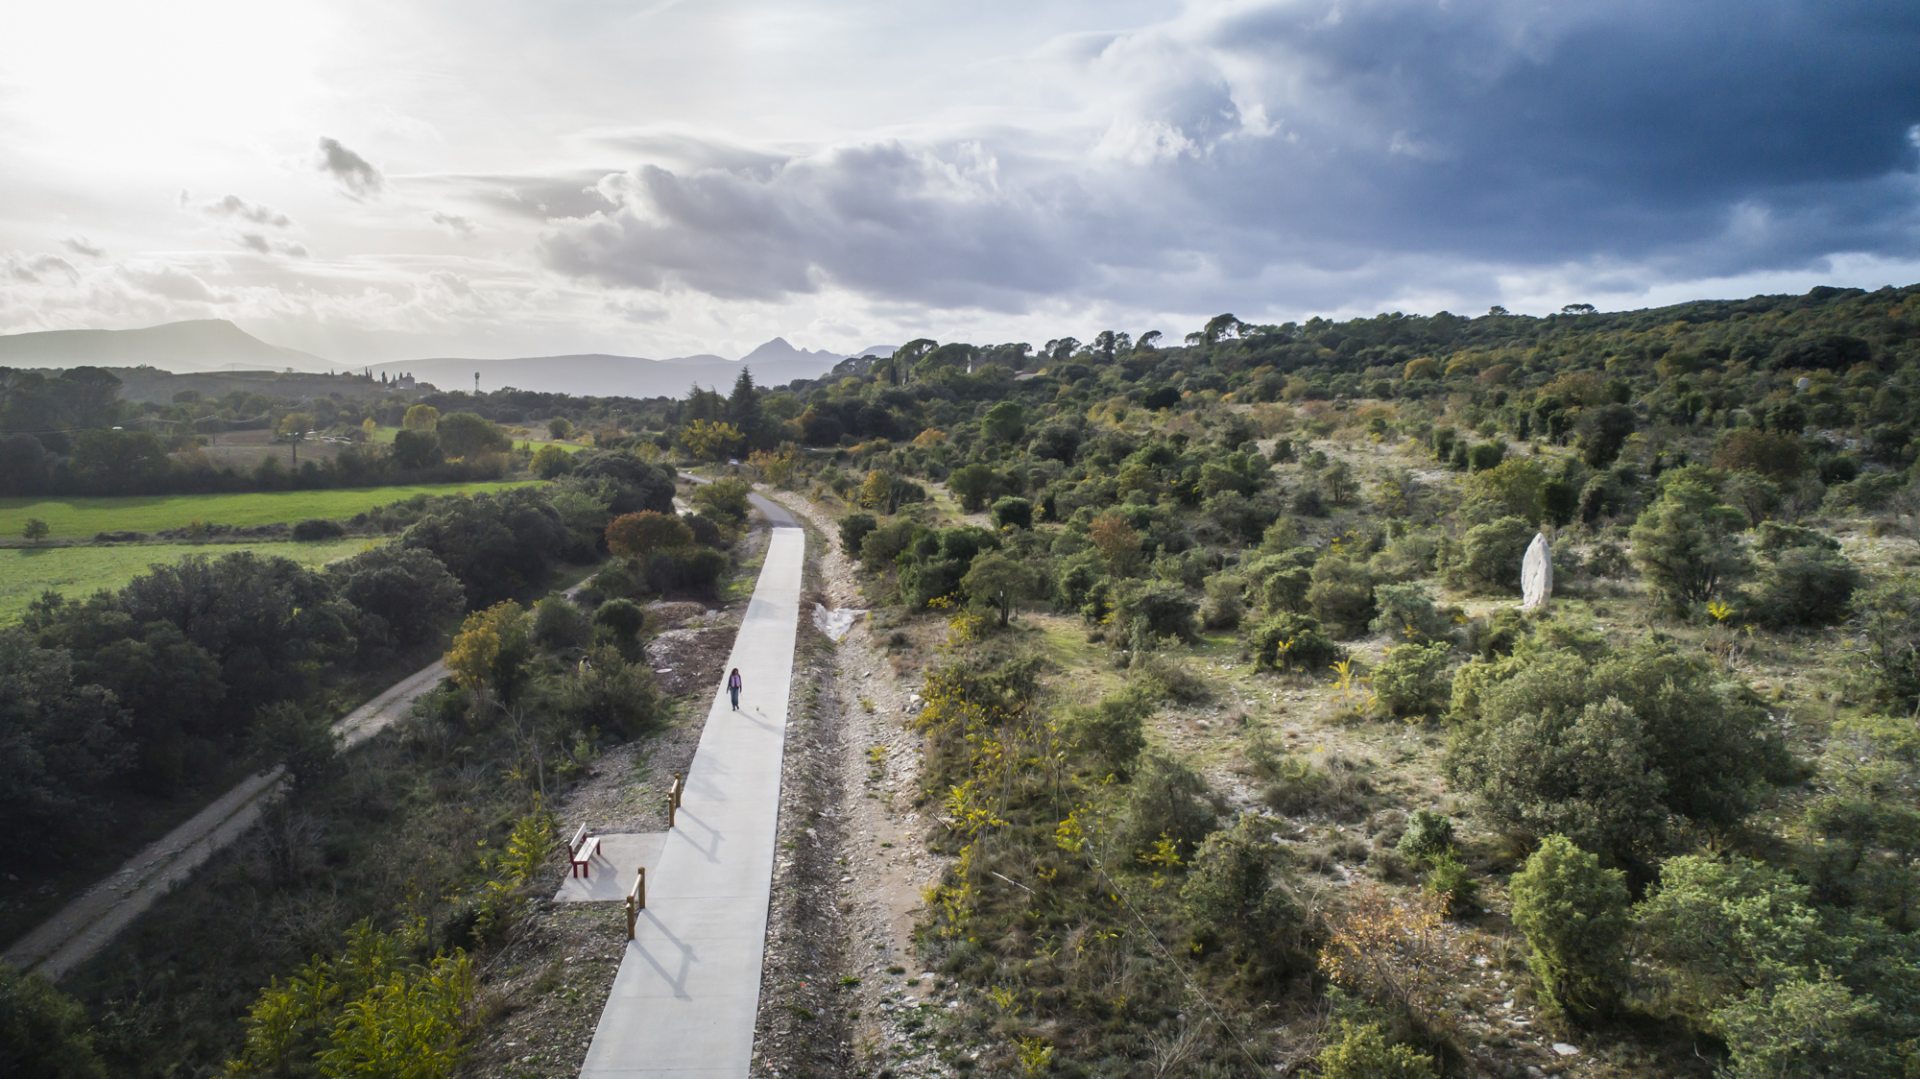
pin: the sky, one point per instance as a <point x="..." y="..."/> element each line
<point x="386" y="179"/>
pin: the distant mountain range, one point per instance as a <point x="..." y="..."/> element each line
<point x="200" y="345"/>
<point x="214" y="345"/>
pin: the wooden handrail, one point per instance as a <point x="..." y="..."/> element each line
<point x="674" y="794"/>
<point x="636" y="899"/>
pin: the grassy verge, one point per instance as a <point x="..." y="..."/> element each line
<point x="74" y="572"/>
<point x="69" y="517"/>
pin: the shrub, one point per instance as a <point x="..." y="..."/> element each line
<point x="318" y="529"/>
<point x="724" y="500"/>
<point x="1223" y="609"/>
<point x="1450" y="880"/>
<point x="1428" y="836"/>
<point x="1111" y="733"/>
<point x="1341" y="595"/>
<point x="686" y="571"/>
<point x="1362" y="1051"/>
<point x="1013" y="513"/>
<point x="1685" y="544"/>
<point x="1485" y="455"/>
<point x="558" y="625"/>
<point x="854" y="528"/>
<point x="1574" y="915"/>
<point x="1413" y="680"/>
<point x="622" y="620"/>
<point x="1805" y="584"/>
<point x="1156" y="609"/>
<point x="1891" y="627"/>
<point x="1293" y="642"/>
<point x="1490" y="555"/>
<point x="1232" y="900"/>
<point x="551" y="462"/>
<point x="1166" y="799"/>
<point x="611" y="695"/>
<point x="639" y="535"/>
<point x="43" y="1032"/>
<point x="1406" y="612"/>
<point x="1606" y="752"/>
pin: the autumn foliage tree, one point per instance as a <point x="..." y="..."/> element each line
<point x="638" y="535"/>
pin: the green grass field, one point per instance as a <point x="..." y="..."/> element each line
<point x="80" y="517"/>
<point x="80" y="571"/>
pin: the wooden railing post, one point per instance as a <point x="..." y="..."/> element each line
<point x="636" y="899"/>
<point x="674" y="794"/>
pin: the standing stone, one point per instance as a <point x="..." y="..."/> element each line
<point x="1536" y="574"/>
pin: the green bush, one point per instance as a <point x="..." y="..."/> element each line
<point x="1233" y="901"/>
<point x="1891" y="629"/>
<point x="1804" y="580"/>
<point x="1155" y="608"/>
<point x="1607" y="752"/>
<point x="559" y="625"/>
<point x="1412" y="680"/>
<point x="43" y="1032"/>
<point x="1573" y="913"/>
<point x="318" y="529"/>
<point x="1490" y="554"/>
<point x="622" y="620"/>
<point x="1406" y="612"/>
<point x="1449" y="878"/>
<point x="1341" y="595"/>
<point x="1293" y="642"/>
<point x="1013" y="513"/>
<point x="854" y="528"/>
<point x="1223" y="608"/>
<point x="1685" y="543"/>
<point x="1429" y="835"/>
<point x="1166" y="798"/>
<point x="1111" y="733"/>
<point x="1362" y="1051"/>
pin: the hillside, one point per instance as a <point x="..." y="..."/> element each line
<point x="775" y="363"/>
<point x="199" y="345"/>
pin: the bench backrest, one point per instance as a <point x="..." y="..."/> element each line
<point x="579" y="837"/>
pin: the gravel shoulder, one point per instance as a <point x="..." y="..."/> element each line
<point x="842" y="992"/>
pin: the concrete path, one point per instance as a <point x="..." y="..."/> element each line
<point x="683" y="1004"/>
<point x="89" y="922"/>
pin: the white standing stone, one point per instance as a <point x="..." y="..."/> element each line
<point x="1536" y="574"/>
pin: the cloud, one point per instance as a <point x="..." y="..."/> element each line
<point x="80" y="245"/>
<point x="452" y="222"/>
<point x="31" y="269"/>
<point x="234" y="207"/>
<point x="1272" y="154"/>
<point x="266" y="245"/>
<point x="354" y="175"/>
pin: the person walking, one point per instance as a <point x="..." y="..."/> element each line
<point x="733" y="688"/>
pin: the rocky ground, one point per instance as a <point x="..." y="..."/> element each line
<point x="842" y="992"/>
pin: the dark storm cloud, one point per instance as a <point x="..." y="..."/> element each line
<point x="356" y="177"/>
<point x="883" y="219"/>
<point x="80" y="245"/>
<point x="1328" y="142"/>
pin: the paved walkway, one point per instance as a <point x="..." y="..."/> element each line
<point x="684" y="1001"/>
<point x="92" y="920"/>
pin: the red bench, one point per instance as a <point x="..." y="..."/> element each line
<point x="581" y="851"/>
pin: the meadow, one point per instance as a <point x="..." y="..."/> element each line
<point x="81" y="517"/>
<point x="26" y="572"/>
